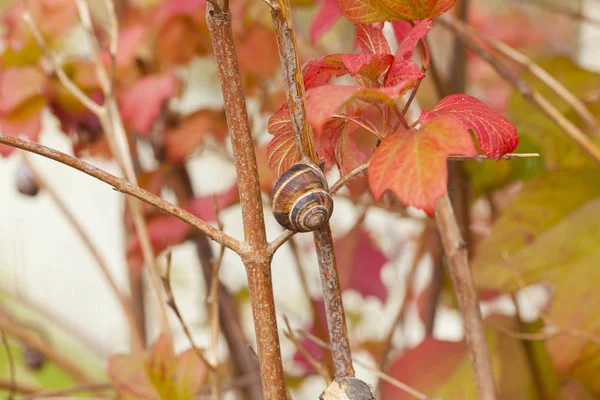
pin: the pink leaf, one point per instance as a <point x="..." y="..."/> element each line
<point x="370" y="40"/>
<point x="412" y="164"/>
<point x="18" y="85"/>
<point x="368" y="65"/>
<point x="360" y="262"/>
<point x="281" y="152"/>
<point x="495" y="134"/>
<point x="409" y="42"/>
<point x="142" y="102"/>
<point x="403" y="71"/>
<point x="324" y="20"/>
<point x="319" y="71"/>
<point x="324" y="101"/>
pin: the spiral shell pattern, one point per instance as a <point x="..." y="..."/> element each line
<point x="301" y="199"/>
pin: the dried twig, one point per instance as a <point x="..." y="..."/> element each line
<point x="101" y="263"/>
<point x="320" y="368"/>
<point x="123" y="186"/>
<point x="166" y="282"/>
<point x="525" y="90"/>
<point x="558" y="88"/>
<point x="62" y="393"/>
<point x="110" y="119"/>
<point x="381" y="375"/>
<point x="458" y="266"/>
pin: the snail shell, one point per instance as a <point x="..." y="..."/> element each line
<point x="301" y="198"/>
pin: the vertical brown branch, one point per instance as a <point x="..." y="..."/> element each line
<point x="468" y="303"/>
<point x="294" y="88"/>
<point x="257" y="259"/>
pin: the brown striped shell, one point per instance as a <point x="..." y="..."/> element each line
<point x="301" y="199"/>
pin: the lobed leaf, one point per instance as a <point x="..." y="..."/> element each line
<point x="412" y="164"/>
<point x="371" y="40"/>
<point x="496" y="134"/>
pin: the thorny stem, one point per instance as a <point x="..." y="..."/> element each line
<point x="294" y="88"/>
<point x="258" y="259"/>
<point x="124" y="302"/>
<point x="468" y="303"/>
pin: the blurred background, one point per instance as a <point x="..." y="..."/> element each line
<point x="50" y="282"/>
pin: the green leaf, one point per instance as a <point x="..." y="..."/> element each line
<point x="550" y="233"/>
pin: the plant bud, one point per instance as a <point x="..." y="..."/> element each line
<point x="25" y="182"/>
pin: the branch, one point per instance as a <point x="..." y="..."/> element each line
<point x="458" y="267"/>
<point x="123" y="186"/>
<point x="535" y="98"/>
<point x="558" y="88"/>
<point x="381" y="375"/>
<point x="124" y="302"/>
<point x="257" y="258"/>
<point x="56" y="393"/>
<point x="340" y="183"/>
<point x="110" y="119"/>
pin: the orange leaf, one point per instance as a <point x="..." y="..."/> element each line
<point x="412" y="164"/>
<point x="370" y="11"/>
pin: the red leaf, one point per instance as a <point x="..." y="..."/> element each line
<point x="166" y="230"/>
<point x="325" y="141"/>
<point x="18" y="85"/>
<point x="324" y="20"/>
<point x="412" y="164"/>
<point x="324" y="101"/>
<point x="281" y="152"/>
<point x="368" y="65"/>
<point x="130" y="41"/>
<point x="370" y="11"/>
<point x="319" y="71"/>
<point x="181" y="141"/>
<point x="360" y="262"/>
<point x="142" y="102"/>
<point x="403" y="71"/>
<point x="401" y="30"/>
<point x="407" y="43"/>
<point x="25" y="120"/>
<point x="495" y="134"/>
<point x="370" y="40"/>
<point x="428" y="365"/>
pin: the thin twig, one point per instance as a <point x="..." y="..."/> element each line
<point x="340" y="183"/>
<point x="85" y="387"/>
<point x="213" y="303"/>
<point x="123" y="186"/>
<point x="381" y="375"/>
<point x="526" y="91"/>
<point x="320" y="368"/>
<point x="101" y="263"/>
<point x="166" y="281"/>
<point x="11" y="364"/>
<point x="57" y="67"/>
<point x="537" y="71"/>
<point x="458" y="265"/>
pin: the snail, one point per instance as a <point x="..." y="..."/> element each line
<point x="301" y="198"/>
